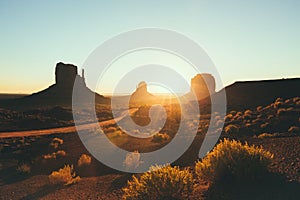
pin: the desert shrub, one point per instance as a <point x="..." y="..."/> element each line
<point x="265" y="125"/>
<point x="248" y="125"/>
<point x="54" y="155"/>
<point x="160" y="137"/>
<point x="278" y="104"/>
<point x="259" y="108"/>
<point x="65" y="176"/>
<point x="239" y="114"/>
<point x="265" y="135"/>
<point x="84" y="160"/>
<point x="117" y="134"/>
<point x="228" y="117"/>
<point x="281" y="112"/>
<point x="233" y="161"/>
<point x="160" y="183"/>
<point x="279" y="99"/>
<point x="293" y="129"/>
<point x="24" y="168"/>
<point x="296" y="99"/>
<point x="233" y="112"/>
<point x="110" y="129"/>
<point x="231" y="129"/>
<point x="248" y="112"/>
<point x="56" y="142"/>
<point x="132" y="160"/>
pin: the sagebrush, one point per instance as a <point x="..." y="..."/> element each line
<point x="66" y="176"/>
<point x="160" y="183"/>
<point x="232" y="160"/>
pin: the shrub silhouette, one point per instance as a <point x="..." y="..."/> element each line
<point x="160" y="137"/>
<point x="132" y="160"/>
<point x="293" y="129"/>
<point x="65" y="176"/>
<point x="84" y="160"/>
<point x="160" y="183"/>
<point x="266" y="135"/>
<point x="54" y="155"/>
<point x="56" y="142"/>
<point x="233" y="161"/>
<point x="24" y="168"/>
<point x="231" y="129"/>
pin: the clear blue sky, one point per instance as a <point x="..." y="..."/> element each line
<point x="247" y="40"/>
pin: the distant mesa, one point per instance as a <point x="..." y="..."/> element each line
<point x="202" y="85"/>
<point x="60" y="93"/>
<point x="65" y="75"/>
<point x="141" y="95"/>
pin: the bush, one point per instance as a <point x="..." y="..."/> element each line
<point x="65" y="176"/>
<point x="265" y="125"/>
<point x="56" y="142"/>
<point x="84" y="160"/>
<point x="132" y="160"/>
<point x="54" y="155"/>
<point x="231" y="160"/>
<point x="265" y="135"/>
<point x="160" y="183"/>
<point x="160" y="137"/>
<point x="24" y="169"/>
<point x="293" y="129"/>
<point x="259" y="108"/>
<point x="231" y="129"/>
<point x="281" y="112"/>
<point x="110" y="129"/>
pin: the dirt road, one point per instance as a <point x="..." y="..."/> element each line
<point x="68" y="129"/>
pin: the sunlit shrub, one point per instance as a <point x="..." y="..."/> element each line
<point x="110" y="129"/>
<point x="24" y="168"/>
<point x="232" y="160"/>
<point x="84" y="160"/>
<point x="228" y="117"/>
<point x="259" y="108"/>
<point x="231" y="129"/>
<point x="233" y="112"/>
<point x="160" y="183"/>
<point x="132" y="160"/>
<point x="281" y="112"/>
<point x="278" y="104"/>
<point x="293" y="129"/>
<point x="65" y="176"/>
<point x="117" y="134"/>
<point x="248" y="112"/>
<point x="54" y="155"/>
<point x="265" y="135"/>
<point x="56" y="142"/>
<point x="160" y="137"/>
<point x="265" y="125"/>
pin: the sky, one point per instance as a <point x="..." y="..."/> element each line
<point x="246" y="40"/>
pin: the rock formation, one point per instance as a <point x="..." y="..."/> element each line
<point x="141" y="95"/>
<point x="60" y="93"/>
<point x="203" y="85"/>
